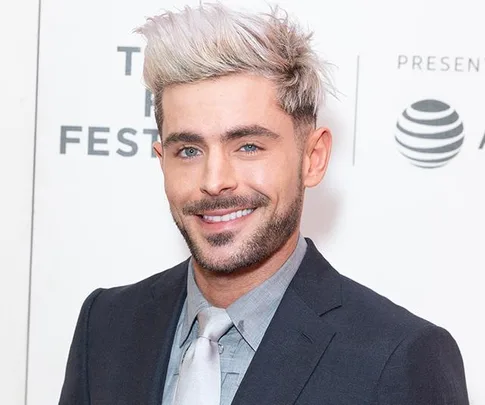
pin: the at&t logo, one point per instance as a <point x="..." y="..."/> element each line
<point x="429" y="133"/>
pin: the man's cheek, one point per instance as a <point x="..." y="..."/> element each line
<point x="267" y="182"/>
<point x="172" y="196"/>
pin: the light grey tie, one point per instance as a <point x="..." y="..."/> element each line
<point x="200" y="373"/>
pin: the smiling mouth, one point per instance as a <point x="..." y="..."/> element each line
<point x="230" y="216"/>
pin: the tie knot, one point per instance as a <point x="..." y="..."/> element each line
<point x="213" y="323"/>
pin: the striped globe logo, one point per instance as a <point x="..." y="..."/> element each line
<point x="429" y="133"/>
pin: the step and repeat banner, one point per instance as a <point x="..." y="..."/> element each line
<point x="400" y="210"/>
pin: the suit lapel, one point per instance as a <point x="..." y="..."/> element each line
<point x="155" y="325"/>
<point x="296" y="337"/>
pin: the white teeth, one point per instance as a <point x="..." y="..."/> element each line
<point x="227" y="217"/>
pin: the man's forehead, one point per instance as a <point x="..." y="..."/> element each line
<point x="215" y="107"/>
<point x="244" y="92"/>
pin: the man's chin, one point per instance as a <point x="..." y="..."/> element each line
<point x="220" y="246"/>
<point x="222" y="251"/>
<point x="220" y="240"/>
<point x="218" y="253"/>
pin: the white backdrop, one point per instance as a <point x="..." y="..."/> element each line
<point x="101" y="219"/>
<point x="18" y="49"/>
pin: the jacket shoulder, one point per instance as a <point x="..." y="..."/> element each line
<point x="130" y="295"/>
<point x="382" y="316"/>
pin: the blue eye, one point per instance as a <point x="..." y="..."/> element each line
<point x="189" y="152"/>
<point x="250" y="148"/>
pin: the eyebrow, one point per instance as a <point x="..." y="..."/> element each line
<point x="248" y="130"/>
<point x="230" y="135"/>
<point x="184" y="136"/>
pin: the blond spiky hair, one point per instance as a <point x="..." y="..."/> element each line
<point x="212" y="41"/>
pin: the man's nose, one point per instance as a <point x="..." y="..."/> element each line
<point x="219" y="175"/>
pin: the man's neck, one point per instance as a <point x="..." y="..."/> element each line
<point x="222" y="289"/>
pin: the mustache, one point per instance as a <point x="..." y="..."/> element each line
<point x="223" y="203"/>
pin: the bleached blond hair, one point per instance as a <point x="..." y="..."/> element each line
<point x="212" y="40"/>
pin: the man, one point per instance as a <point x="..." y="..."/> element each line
<point x="256" y="315"/>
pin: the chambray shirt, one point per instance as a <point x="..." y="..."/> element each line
<point x="251" y="315"/>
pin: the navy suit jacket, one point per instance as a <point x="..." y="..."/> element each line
<point x="331" y="342"/>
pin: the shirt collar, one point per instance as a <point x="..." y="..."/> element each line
<point x="195" y="303"/>
<point x="251" y="313"/>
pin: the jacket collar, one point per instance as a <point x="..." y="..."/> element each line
<point x="297" y="336"/>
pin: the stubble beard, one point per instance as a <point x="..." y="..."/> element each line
<point x="266" y="240"/>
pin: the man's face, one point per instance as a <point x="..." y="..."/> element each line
<point x="232" y="166"/>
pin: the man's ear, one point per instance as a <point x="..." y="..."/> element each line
<point x="316" y="156"/>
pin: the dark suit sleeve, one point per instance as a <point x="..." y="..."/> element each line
<point x="75" y="390"/>
<point x="425" y="369"/>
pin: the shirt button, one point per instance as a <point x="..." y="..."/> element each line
<point x="221" y="348"/>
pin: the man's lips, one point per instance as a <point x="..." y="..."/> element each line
<point x="225" y="215"/>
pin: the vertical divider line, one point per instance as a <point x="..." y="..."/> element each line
<point x="36" y="109"/>
<point x="356" y="109"/>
